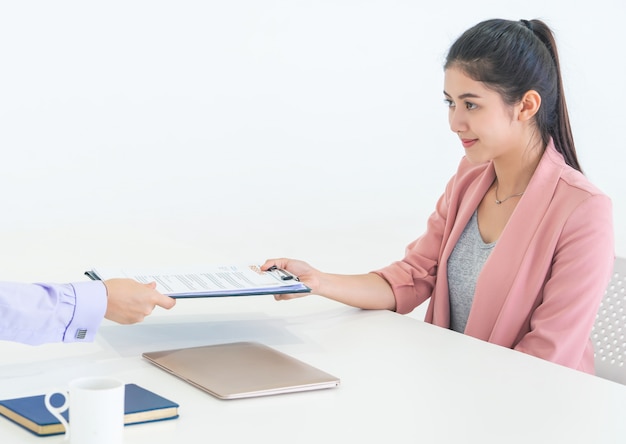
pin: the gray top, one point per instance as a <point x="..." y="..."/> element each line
<point x="464" y="266"/>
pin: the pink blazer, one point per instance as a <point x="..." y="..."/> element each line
<point x="541" y="287"/>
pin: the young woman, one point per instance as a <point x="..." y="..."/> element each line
<point x="519" y="249"/>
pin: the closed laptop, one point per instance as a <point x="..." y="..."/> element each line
<point x="241" y="370"/>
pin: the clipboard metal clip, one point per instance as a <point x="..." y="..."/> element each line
<point x="283" y="274"/>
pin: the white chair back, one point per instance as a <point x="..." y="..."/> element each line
<point x="609" y="331"/>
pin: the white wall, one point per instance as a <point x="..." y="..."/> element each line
<point x="247" y="129"/>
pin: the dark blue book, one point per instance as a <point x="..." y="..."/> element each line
<point x="140" y="405"/>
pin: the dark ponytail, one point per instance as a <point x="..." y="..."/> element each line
<point x="515" y="57"/>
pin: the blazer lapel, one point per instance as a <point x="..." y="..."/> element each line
<point x="497" y="278"/>
<point x="459" y="214"/>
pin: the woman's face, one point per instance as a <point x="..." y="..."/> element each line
<point x="487" y="126"/>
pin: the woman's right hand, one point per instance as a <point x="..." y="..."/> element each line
<point x="308" y="275"/>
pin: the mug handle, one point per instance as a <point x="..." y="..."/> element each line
<point x="56" y="411"/>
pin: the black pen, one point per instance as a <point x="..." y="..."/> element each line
<point x="284" y="275"/>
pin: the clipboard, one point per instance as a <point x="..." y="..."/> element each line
<point x="200" y="281"/>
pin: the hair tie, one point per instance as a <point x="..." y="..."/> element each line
<point x="528" y="25"/>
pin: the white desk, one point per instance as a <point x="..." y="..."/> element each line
<point x="403" y="381"/>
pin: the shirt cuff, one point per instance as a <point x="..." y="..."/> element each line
<point x="89" y="310"/>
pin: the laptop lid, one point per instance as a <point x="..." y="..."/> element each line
<point x="241" y="370"/>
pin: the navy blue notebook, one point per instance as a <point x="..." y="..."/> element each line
<point x="140" y="405"/>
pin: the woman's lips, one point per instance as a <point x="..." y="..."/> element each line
<point x="467" y="143"/>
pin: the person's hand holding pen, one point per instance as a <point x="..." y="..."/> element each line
<point x="306" y="274"/>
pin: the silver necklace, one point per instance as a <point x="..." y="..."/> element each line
<point x="498" y="201"/>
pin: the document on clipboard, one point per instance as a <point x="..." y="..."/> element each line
<point x="200" y="281"/>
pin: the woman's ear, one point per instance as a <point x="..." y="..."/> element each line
<point x="529" y="105"/>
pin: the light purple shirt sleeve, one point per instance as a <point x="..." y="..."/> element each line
<point x="39" y="313"/>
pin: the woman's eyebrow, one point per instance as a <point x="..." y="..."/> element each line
<point x="464" y="96"/>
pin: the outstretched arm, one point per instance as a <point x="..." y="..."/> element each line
<point x="368" y="291"/>
<point x="40" y="313"/>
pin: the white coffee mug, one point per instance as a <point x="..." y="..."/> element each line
<point x="96" y="411"/>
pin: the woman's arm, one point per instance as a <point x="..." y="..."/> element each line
<point x="581" y="269"/>
<point x="368" y="291"/>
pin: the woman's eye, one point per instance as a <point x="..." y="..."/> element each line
<point x="470" y="105"/>
<point x="449" y="103"/>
